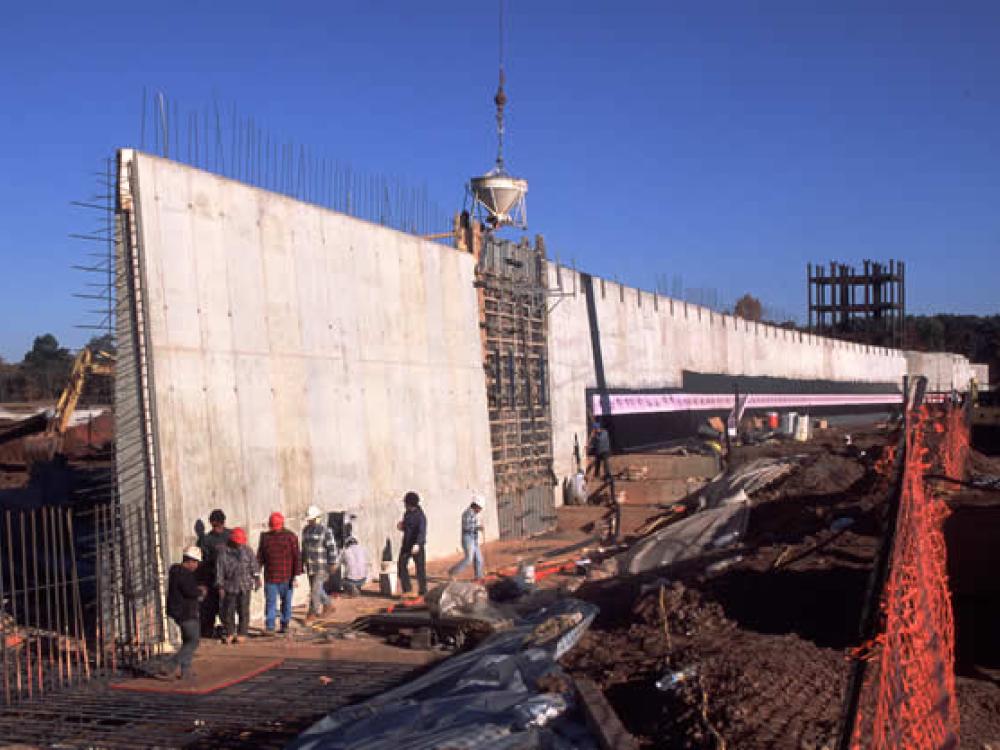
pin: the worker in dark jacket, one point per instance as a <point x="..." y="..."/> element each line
<point x="184" y="594"/>
<point x="211" y="544"/>
<point x="414" y="528"/>
<point x="600" y="450"/>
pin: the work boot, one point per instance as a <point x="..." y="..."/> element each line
<point x="235" y="640"/>
<point x="167" y="673"/>
<point x="187" y="675"/>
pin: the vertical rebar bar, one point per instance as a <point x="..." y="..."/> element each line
<point x="63" y="604"/>
<point x="26" y="643"/>
<point x="79" y="635"/>
<point x="38" y="600"/>
<point x="49" y="613"/>
<point x="98" y="592"/>
<point x="13" y="603"/>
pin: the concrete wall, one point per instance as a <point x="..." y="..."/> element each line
<point x="943" y="371"/>
<point x="301" y="356"/>
<point x="648" y="341"/>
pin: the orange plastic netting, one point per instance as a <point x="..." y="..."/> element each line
<point x="910" y="694"/>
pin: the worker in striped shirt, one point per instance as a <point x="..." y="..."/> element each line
<point x="320" y="559"/>
<point x="471" y="527"/>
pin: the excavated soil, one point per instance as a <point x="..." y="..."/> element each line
<point x="769" y="636"/>
<point x="755" y="690"/>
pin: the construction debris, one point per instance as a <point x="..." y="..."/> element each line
<point x="493" y="697"/>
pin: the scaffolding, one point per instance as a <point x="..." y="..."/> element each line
<point x="511" y="279"/>
<point x="868" y="307"/>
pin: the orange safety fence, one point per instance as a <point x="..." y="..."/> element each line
<point x="909" y="695"/>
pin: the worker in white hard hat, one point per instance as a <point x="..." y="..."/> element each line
<point x="184" y="595"/>
<point x="320" y="559"/>
<point x="471" y="528"/>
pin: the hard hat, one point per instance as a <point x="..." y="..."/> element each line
<point x="479" y="501"/>
<point x="193" y="552"/>
<point x="313" y="512"/>
<point x="276" y="521"/>
<point x="239" y="536"/>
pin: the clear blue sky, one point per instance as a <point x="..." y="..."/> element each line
<point x="725" y="142"/>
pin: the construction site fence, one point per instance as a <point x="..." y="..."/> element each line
<point x="77" y="594"/>
<point x="908" y="697"/>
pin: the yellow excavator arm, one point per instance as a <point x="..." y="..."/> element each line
<point x="86" y="363"/>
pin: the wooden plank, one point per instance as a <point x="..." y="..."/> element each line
<point x="602" y="719"/>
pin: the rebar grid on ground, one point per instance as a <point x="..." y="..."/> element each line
<point x="265" y="711"/>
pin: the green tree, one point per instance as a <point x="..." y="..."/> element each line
<point x="46" y="367"/>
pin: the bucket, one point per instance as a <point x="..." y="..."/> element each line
<point x="387" y="579"/>
<point x="527" y="574"/>
<point x="772" y="419"/>
<point x="803" y="428"/>
<point x="788" y="420"/>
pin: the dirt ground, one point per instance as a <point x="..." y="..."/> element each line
<point x="973" y="559"/>
<point x="768" y="637"/>
<point x="760" y="652"/>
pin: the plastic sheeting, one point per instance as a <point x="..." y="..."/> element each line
<point x="691" y="537"/>
<point x="486" y="698"/>
<point x="722" y="521"/>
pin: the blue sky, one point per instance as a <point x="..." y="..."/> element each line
<point x="726" y="143"/>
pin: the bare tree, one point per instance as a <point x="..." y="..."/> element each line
<point x="749" y="308"/>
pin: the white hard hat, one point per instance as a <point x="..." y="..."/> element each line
<point x="193" y="552"/>
<point x="313" y="512"/>
<point x="479" y="500"/>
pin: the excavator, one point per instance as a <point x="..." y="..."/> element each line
<point x="42" y="435"/>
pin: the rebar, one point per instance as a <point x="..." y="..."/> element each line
<point x="244" y="150"/>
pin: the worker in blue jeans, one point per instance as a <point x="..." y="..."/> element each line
<point x="471" y="527"/>
<point x="281" y="560"/>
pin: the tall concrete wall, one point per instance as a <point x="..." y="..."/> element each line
<point x="300" y="356"/>
<point x="648" y="341"/>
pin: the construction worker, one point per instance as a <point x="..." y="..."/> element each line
<point x="211" y="544"/>
<point x="237" y="576"/>
<point x="279" y="556"/>
<point x="355" y="561"/>
<point x="184" y="594"/>
<point x="471" y="528"/>
<point x="599" y="446"/>
<point x="414" y="528"/>
<point x="319" y="555"/>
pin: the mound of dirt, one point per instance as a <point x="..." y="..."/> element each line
<point x="823" y="474"/>
<point x="752" y="689"/>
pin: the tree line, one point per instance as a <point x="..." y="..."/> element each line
<point x="44" y="371"/>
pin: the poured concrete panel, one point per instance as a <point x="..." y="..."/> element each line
<point x="649" y="341"/>
<point x="300" y="356"/>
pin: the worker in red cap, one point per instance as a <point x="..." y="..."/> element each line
<point x="279" y="556"/>
<point x="237" y="576"/>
